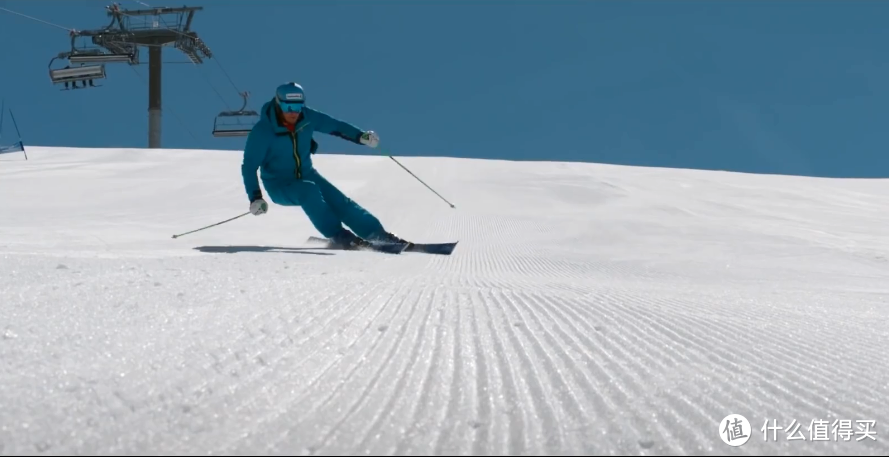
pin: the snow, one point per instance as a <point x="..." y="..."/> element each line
<point x="588" y="309"/>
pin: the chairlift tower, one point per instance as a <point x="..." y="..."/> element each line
<point x="153" y="28"/>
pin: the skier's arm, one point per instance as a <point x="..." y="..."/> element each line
<point x="254" y="153"/>
<point x="327" y="124"/>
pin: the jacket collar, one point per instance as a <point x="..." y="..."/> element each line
<point x="270" y="112"/>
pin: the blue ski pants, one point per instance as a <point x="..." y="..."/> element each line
<point x="325" y="205"/>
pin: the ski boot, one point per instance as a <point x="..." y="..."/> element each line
<point x="391" y="238"/>
<point x="348" y="241"/>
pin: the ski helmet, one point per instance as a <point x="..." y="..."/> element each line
<point x="290" y="97"/>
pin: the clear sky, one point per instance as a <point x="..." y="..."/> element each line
<point x="795" y="87"/>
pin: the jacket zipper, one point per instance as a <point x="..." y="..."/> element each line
<point x="296" y="156"/>
<point x="299" y="164"/>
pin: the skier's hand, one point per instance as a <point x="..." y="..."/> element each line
<point x="370" y="138"/>
<point x="259" y="207"/>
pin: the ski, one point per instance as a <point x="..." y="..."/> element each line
<point x="432" y="248"/>
<point x="388" y="248"/>
<point x="397" y="248"/>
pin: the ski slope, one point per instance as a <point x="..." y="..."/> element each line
<point x="588" y="309"/>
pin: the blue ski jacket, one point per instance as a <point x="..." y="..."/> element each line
<point x="284" y="155"/>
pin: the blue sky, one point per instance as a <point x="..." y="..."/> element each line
<point x="790" y="87"/>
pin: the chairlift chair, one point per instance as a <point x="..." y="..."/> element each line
<point x="102" y="58"/>
<point x="71" y="75"/>
<point x="235" y="123"/>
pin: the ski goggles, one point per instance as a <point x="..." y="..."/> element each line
<point x="290" y="107"/>
<point x="290" y="103"/>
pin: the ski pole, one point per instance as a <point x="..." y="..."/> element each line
<point x="421" y="181"/>
<point x="213" y="225"/>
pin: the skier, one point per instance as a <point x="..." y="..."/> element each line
<point x="280" y="145"/>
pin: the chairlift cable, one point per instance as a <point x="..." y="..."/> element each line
<point x="224" y="130"/>
<point x="218" y="63"/>
<point x="244" y="95"/>
<point x="170" y="29"/>
<point x="216" y="59"/>
<point x="134" y="70"/>
<point x="67" y="29"/>
<point x="165" y="26"/>
<point x="203" y="75"/>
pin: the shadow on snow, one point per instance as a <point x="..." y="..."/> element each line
<point x="237" y="249"/>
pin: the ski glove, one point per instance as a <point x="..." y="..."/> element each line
<point x="258" y="207"/>
<point x="370" y="138"/>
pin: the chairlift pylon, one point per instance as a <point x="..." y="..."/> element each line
<point x="235" y="123"/>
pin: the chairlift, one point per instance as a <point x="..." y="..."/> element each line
<point x="70" y="76"/>
<point x="117" y="52"/>
<point x="19" y="145"/>
<point x="101" y="58"/>
<point x="235" y="123"/>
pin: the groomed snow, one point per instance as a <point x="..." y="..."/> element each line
<point x="588" y="309"/>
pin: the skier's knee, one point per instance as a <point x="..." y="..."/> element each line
<point x="309" y="191"/>
<point x="281" y="196"/>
